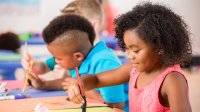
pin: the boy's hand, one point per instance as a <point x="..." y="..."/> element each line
<point x="26" y="59"/>
<point x="38" y="68"/>
<point x="36" y="82"/>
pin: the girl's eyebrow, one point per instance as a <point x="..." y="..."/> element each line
<point x="132" y="46"/>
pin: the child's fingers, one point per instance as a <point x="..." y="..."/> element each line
<point x="35" y="81"/>
<point x="116" y="110"/>
<point x="77" y="94"/>
<point x="69" y="82"/>
<point x="24" y="64"/>
<point x="74" y="94"/>
<point x="65" y="85"/>
<point x="26" y="59"/>
<point x="32" y="76"/>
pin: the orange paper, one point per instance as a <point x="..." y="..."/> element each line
<point x="28" y="105"/>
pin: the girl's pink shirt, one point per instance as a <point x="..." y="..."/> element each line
<point x="146" y="99"/>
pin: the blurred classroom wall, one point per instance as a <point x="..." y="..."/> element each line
<point x="47" y="10"/>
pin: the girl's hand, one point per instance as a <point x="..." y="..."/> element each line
<point x="74" y="94"/>
<point x="116" y="110"/>
<point x="68" y="82"/>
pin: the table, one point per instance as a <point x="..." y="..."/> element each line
<point x="55" y="101"/>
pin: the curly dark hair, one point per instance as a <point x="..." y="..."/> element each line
<point x="65" y="23"/>
<point x="160" y="27"/>
<point x="10" y="41"/>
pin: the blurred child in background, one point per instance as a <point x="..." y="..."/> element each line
<point x="10" y="41"/>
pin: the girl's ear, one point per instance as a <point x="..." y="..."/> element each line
<point x="78" y="56"/>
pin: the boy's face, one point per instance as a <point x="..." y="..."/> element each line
<point x="62" y="57"/>
<point x="142" y="55"/>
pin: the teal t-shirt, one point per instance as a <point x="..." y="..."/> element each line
<point x="100" y="59"/>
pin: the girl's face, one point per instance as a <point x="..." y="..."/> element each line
<point x="142" y="55"/>
<point x="64" y="59"/>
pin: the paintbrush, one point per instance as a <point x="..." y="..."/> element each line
<point x="84" y="105"/>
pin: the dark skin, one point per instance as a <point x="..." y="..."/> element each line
<point x="172" y="85"/>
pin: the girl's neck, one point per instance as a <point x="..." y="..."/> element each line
<point x="146" y="78"/>
<point x="156" y="70"/>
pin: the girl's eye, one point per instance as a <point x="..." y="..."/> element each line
<point x="131" y="50"/>
<point x="136" y="51"/>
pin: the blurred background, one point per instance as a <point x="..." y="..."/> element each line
<point x="27" y="18"/>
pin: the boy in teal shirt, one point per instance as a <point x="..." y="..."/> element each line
<point x="69" y="39"/>
<point x="94" y="14"/>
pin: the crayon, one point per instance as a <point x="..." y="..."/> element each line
<point x="12" y="97"/>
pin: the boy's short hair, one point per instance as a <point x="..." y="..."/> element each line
<point x="86" y="8"/>
<point x="65" y="24"/>
<point x="9" y="41"/>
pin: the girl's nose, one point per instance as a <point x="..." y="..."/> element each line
<point x="130" y="55"/>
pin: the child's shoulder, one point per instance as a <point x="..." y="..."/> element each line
<point x="174" y="77"/>
<point x="174" y="82"/>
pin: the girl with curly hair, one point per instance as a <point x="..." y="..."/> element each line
<point x="157" y="42"/>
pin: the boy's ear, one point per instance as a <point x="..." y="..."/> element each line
<point x="78" y="56"/>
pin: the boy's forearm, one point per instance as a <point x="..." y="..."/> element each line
<point x="53" y="84"/>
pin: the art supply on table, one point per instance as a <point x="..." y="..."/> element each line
<point x="52" y="103"/>
<point x="3" y="84"/>
<point x="13" y="97"/>
<point x="3" y="90"/>
<point x="83" y="107"/>
<point x="40" y="108"/>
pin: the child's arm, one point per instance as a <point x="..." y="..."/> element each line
<point x="37" y="83"/>
<point x="107" y="78"/>
<point x="49" y="85"/>
<point x="175" y="93"/>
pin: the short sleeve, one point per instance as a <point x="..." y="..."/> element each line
<point x="51" y="63"/>
<point x="111" y="94"/>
